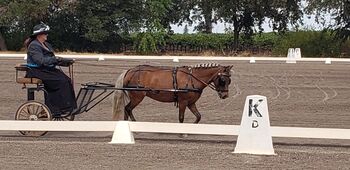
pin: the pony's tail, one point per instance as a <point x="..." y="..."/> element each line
<point x="121" y="98"/>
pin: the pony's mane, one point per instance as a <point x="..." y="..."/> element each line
<point x="206" y="65"/>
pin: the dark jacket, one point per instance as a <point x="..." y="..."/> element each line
<point x="38" y="56"/>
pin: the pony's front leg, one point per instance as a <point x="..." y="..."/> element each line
<point x="194" y="110"/>
<point x="182" y="109"/>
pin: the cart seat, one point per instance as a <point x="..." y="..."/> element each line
<point x="29" y="81"/>
<point x="25" y="80"/>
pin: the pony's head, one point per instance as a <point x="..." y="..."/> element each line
<point x="222" y="81"/>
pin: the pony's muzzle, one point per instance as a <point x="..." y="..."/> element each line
<point x="223" y="95"/>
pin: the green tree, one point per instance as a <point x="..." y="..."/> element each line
<point x="205" y="12"/>
<point x="340" y="12"/>
<point x="245" y="15"/>
<point x="102" y="19"/>
<point x="179" y="12"/>
<point x="75" y="25"/>
<point x="18" y="18"/>
<point x="153" y="30"/>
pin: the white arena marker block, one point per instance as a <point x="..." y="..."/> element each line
<point x="252" y="60"/>
<point x="122" y="134"/>
<point x="25" y="57"/>
<point x="254" y="134"/>
<point x="328" y="61"/>
<point x="175" y="59"/>
<point x="101" y="58"/>
<point x="291" y="56"/>
<point x="297" y="52"/>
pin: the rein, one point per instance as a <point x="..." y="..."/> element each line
<point x="205" y="83"/>
<point x="210" y="85"/>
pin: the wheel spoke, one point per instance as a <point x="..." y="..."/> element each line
<point x="28" y="111"/>
<point x="37" y="109"/>
<point x="67" y="118"/>
<point x="42" y="113"/>
<point x="32" y="106"/>
<point x="25" y="115"/>
<point x="25" y="111"/>
<point x="34" y="111"/>
<point x="57" y="119"/>
<point x="43" y="117"/>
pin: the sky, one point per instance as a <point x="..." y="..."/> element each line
<point x="309" y="22"/>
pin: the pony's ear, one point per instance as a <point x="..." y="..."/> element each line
<point x="228" y="68"/>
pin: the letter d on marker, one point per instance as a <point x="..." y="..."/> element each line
<point x="255" y="124"/>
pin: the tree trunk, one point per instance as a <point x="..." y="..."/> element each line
<point x="208" y="23"/>
<point x="207" y="14"/>
<point x="235" y="34"/>
<point x="3" y="46"/>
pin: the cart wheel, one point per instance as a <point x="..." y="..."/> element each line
<point x="34" y="111"/>
<point x="64" y="118"/>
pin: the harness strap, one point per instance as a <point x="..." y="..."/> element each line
<point x="176" y="97"/>
<point x="134" y="73"/>
<point x="189" y="78"/>
<point x="138" y="77"/>
<point x="71" y="71"/>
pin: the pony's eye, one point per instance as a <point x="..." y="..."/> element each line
<point x="222" y="81"/>
<point x="228" y="81"/>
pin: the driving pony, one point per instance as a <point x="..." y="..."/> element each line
<point x="181" y="85"/>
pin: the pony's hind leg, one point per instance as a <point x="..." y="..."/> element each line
<point x="135" y="99"/>
<point x="182" y="108"/>
<point x="195" y="111"/>
<point x="128" y="112"/>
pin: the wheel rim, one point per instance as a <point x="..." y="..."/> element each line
<point x="33" y="111"/>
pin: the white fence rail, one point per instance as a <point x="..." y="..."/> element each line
<point x="181" y="128"/>
<point x="209" y="58"/>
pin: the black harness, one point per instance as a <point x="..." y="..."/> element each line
<point x="176" y="96"/>
<point x="190" y="87"/>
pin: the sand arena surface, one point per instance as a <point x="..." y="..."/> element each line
<point x="308" y="94"/>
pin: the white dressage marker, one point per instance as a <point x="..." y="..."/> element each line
<point x="122" y="134"/>
<point x="328" y="61"/>
<point x="252" y="60"/>
<point x="291" y="56"/>
<point x="101" y="58"/>
<point x="254" y="134"/>
<point x="297" y="52"/>
<point x="176" y="59"/>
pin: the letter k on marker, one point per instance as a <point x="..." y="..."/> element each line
<point x="254" y="108"/>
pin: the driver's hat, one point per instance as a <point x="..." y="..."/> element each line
<point x="40" y="29"/>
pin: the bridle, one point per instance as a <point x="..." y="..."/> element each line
<point x="219" y="76"/>
<point x="211" y="80"/>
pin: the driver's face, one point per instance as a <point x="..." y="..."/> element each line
<point x="42" y="37"/>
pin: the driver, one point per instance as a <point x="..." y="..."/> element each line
<point x="60" y="96"/>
